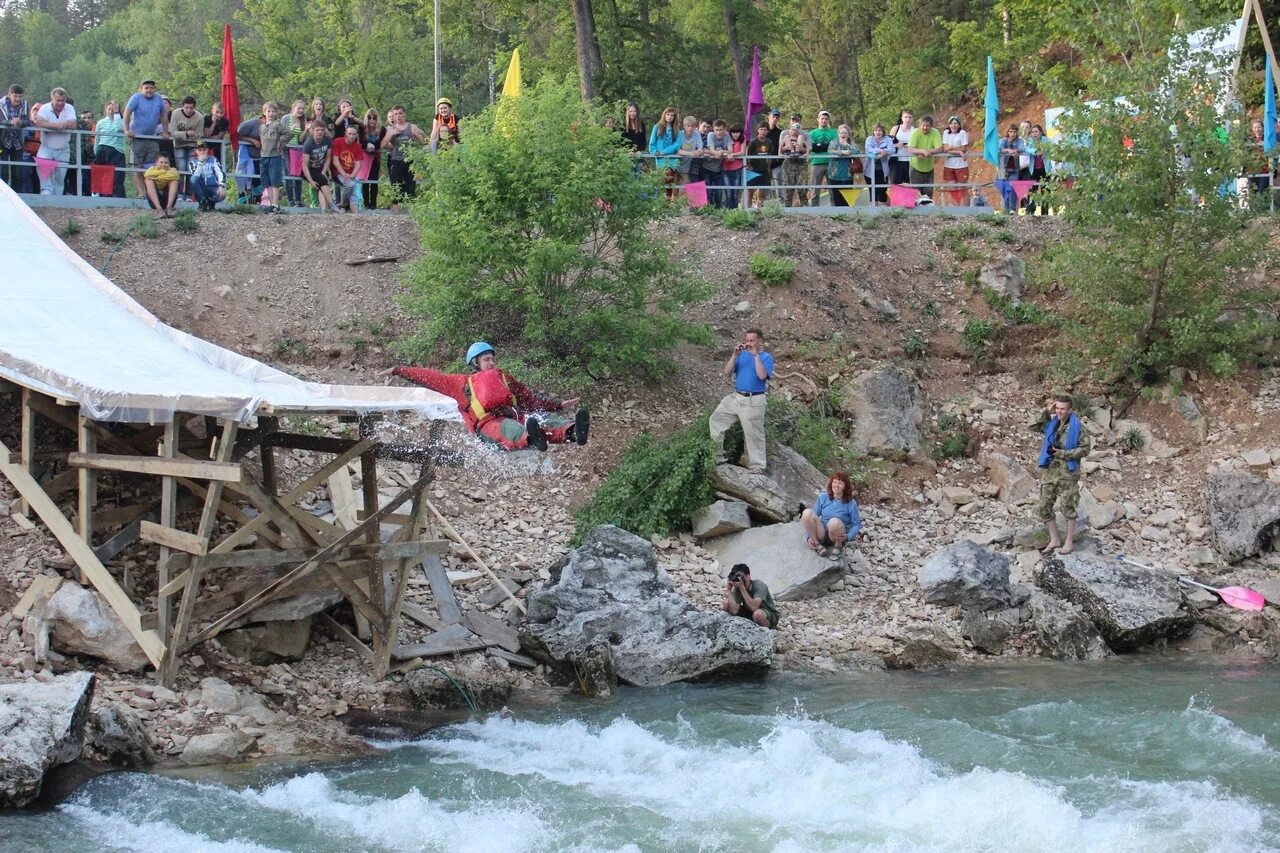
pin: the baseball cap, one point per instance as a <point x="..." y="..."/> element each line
<point x="147" y="81"/>
<point x="824" y="113"/>
<point x="795" y="116"/>
<point x="775" y="112"/>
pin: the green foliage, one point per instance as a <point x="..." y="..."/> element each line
<point x="976" y="336"/>
<point x="1024" y="313"/>
<point x="771" y="209"/>
<point x="816" y="431"/>
<point x="656" y="486"/>
<point x="950" y="436"/>
<point x="737" y="219"/>
<point x="186" y="222"/>
<point x="110" y="236"/>
<point x="1160" y="245"/>
<point x="915" y="345"/>
<point x="72" y="228"/>
<point x="144" y="225"/>
<point x="771" y="269"/>
<point x="1133" y="439"/>
<point x="1083" y="405"/>
<point x="287" y="347"/>
<point x="970" y="278"/>
<point x="556" y="255"/>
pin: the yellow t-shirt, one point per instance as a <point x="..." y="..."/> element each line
<point x="162" y="177"/>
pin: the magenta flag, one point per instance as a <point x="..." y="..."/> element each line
<point x="755" y="100"/>
<point x="295" y="161"/>
<point x="696" y="193"/>
<point x="362" y="170"/>
<point x="900" y="196"/>
<point x="1021" y="188"/>
<point x="45" y="167"/>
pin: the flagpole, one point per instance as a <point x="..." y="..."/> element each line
<point x="435" y="51"/>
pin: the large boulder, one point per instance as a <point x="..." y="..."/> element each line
<point x="1063" y="632"/>
<point x="84" y="624"/>
<point x="611" y="591"/>
<point x="117" y="736"/>
<point x="720" y="519"/>
<point x="42" y="725"/>
<point x="266" y="643"/>
<point x="967" y="575"/>
<point x="1130" y="606"/>
<point x="1007" y="277"/>
<point x="796" y="476"/>
<point x="765" y="497"/>
<point x="1014" y="483"/>
<point x="1098" y="514"/>
<point x="777" y="555"/>
<point x="216" y="748"/>
<point x="884" y="403"/>
<point x="1244" y="512"/>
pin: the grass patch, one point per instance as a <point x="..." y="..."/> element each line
<point x="71" y="229"/>
<point x="976" y="336"/>
<point x="186" y="222"/>
<point x="287" y="347"/>
<point x="738" y="219"/>
<point x="915" y="345"/>
<point x="144" y="225"/>
<point x="111" y="237"/>
<point x="771" y="269"/>
<point x="950" y="436"/>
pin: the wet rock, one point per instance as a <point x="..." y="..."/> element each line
<point x="777" y="555"/>
<point x="1244" y="512"/>
<point x="987" y="635"/>
<point x="1130" y="606"/>
<point x="885" y="406"/>
<point x="117" y="736"/>
<point x="968" y="575"/>
<point x="431" y="689"/>
<point x="720" y="519"/>
<point x="923" y="649"/>
<point x="83" y="624"/>
<point x="269" y="642"/>
<point x="1063" y="632"/>
<point x="611" y="590"/>
<point x="42" y="725"/>
<point x="595" y="672"/>
<point x="1013" y="481"/>
<point x="216" y="748"/>
<point x="1007" y="277"/>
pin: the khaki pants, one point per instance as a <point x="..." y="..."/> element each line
<point x="749" y="411"/>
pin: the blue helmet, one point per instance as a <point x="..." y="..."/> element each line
<point x="478" y="349"/>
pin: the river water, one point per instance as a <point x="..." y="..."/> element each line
<point x="1133" y="754"/>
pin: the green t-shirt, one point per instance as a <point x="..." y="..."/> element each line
<point x="920" y="139"/>
<point x="760" y="591"/>
<point x="819" y="139"/>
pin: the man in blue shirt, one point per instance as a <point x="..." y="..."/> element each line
<point x="751" y="368"/>
<point x="145" y="115"/>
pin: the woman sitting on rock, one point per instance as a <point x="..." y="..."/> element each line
<point x="834" y="518"/>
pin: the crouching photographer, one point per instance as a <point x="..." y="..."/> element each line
<point x="749" y="599"/>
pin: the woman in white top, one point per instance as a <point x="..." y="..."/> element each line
<point x="900" y="172"/>
<point x="955" y="169"/>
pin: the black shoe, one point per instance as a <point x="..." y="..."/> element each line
<point x="581" y="428"/>
<point x="537" y="438"/>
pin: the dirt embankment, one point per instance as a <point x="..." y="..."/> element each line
<point x="863" y="293"/>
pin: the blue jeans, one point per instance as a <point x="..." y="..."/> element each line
<point x="205" y="188"/>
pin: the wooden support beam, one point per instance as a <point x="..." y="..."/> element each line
<point x="61" y="483"/>
<point x="343" y="498"/>
<point x="257" y="523"/>
<point x="170" y="538"/>
<point x="159" y="466"/>
<point x="345" y="635"/>
<point x="442" y="590"/>
<point x="84" y="557"/>
<point x="126" y="537"/>
<point x="104" y="519"/>
<point x="209" y="515"/>
<point x="270" y="558"/>
<point x="457" y="537"/>
<point x="393" y="603"/>
<point x="168" y="518"/>
<point x="168" y="668"/>
<point x="28" y="445"/>
<point x="88" y="481"/>
<point x="454" y="638"/>
<point x="267" y="455"/>
<point x="275" y="512"/>
<point x="357" y="532"/>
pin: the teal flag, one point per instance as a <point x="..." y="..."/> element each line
<point x="1269" y="113"/>
<point x="991" y="129"/>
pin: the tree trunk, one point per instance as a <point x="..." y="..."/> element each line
<point x="1006" y="24"/>
<point x="584" y="21"/>
<point x="735" y="54"/>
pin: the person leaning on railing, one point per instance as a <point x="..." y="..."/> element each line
<point x="841" y="165"/>
<point x="145" y="117"/>
<point x="109" y="147"/>
<point x="664" y="141"/>
<point x="15" y="118"/>
<point x="955" y="169"/>
<point x="56" y="120"/>
<point x="878" y="169"/>
<point x="924" y="144"/>
<point x="759" y="150"/>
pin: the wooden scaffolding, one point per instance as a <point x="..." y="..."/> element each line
<point x="287" y="549"/>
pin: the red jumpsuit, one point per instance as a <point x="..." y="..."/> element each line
<point x="502" y="425"/>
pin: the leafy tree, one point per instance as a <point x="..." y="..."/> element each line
<point x="1161" y="241"/>
<point x="537" y="230"/>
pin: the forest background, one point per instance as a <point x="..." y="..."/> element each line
<point x="861" y="59"/>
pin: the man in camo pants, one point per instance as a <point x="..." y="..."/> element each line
<point x="1060" y="455"/>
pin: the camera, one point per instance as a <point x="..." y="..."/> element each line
<point x="735" y="576"/>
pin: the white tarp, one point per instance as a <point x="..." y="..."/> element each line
<point x="67" y="331"/>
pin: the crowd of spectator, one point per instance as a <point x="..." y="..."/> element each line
<point x="336" y="160"/>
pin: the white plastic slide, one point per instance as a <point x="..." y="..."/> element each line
<point x="67" y="331"/>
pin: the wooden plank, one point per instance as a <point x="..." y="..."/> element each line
<point x="267" y="558"/>
<point x="343" y="498"/>
<point x="457" y="537"/>
<point x="84" y="557"/>
<point x="292" y="496"/>
<point x="117" y="515"/>
<point x="421" y="615"/>
<point x="170" y="538"/>
<point x="306" y="568"/>
<point x="258" y="522"/>
<point x="209" y="514"/>
<point x="117" y="543"/>
<point x="27" y="448"/>
<point x="271" y="507"/>
<point x="350" y="639"/>
<point x="168" y="518"/>
<point x="395" y="518"/>
<point x="22" y="521"/>
<point x="61" y="483"/>
<point x="492" y="631"/>
<point x="510" y="657"/>
<point x="159" y="466"/>
<point x="391" y="623"/>
<point x="442" y="590"/>
<point x="454" y="638"/>
<point x="88" y="481"/>
<point x="41" y="585"/>
<point x="169" y="666"/>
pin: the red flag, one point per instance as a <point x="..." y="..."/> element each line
<point x="230" y="91"/>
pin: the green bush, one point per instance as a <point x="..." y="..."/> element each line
<point x="71" y="229"/>
<point x="771" y="269"/>
<point x="555" y="255"/>
<point x="656" y="486"/>
<point x="915" y="345"/>
<point x="144" y="225"/>
<point x="737" y="219"/>
<point x="1133" y="439"/>
<point x="951" y="436"/>
<point x="976" y="335"/>
<point x="186" y="222"/>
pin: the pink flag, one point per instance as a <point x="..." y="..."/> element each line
<point x="900" y="196"/>
<point x="45" y="168"/>
<point x="1021" y="188"/>
<point x="362" y="170"/>
<point x="755" y="100"/>
<point x="696" y="193"/>
<point x="295" y="161"/>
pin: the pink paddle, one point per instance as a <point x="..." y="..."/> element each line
<point x="1239" y="597"/>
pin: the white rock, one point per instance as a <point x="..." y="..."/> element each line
<point x="1154" y="534"/>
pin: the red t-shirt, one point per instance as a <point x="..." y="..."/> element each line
<point x="347" y="154"/>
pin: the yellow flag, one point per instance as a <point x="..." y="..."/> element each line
<point x="511" y="85"/>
